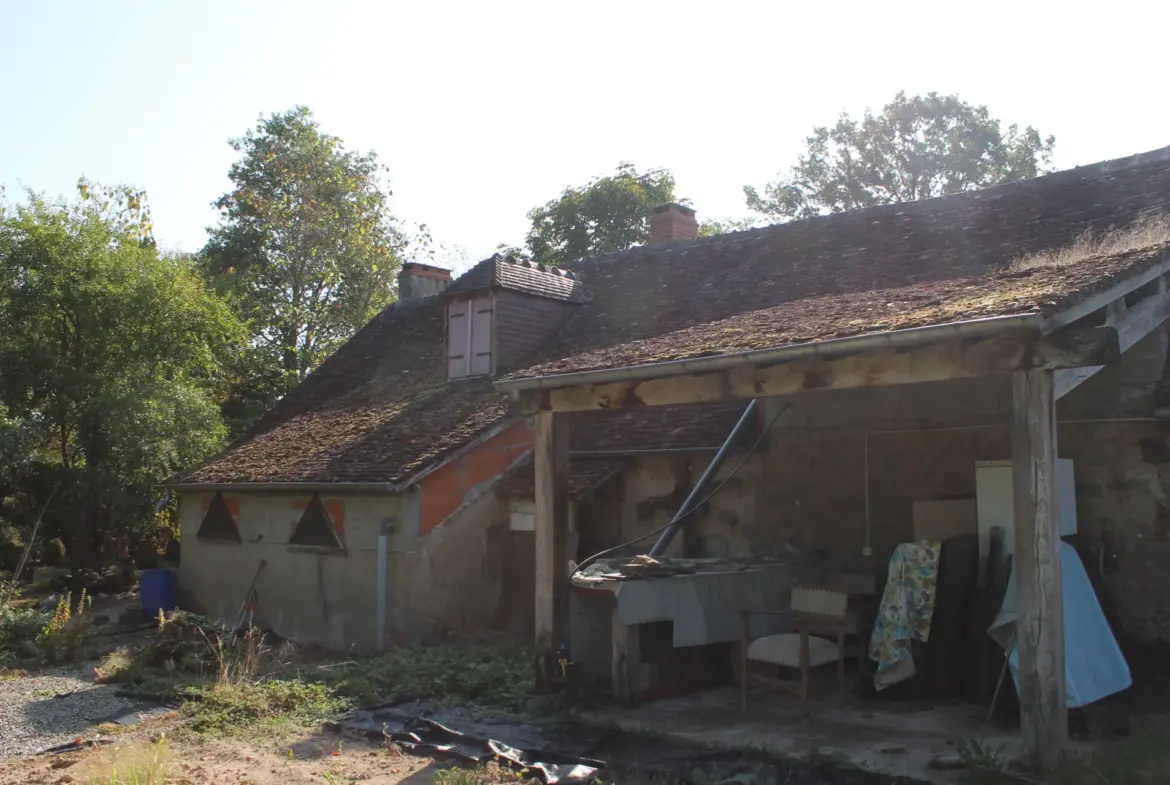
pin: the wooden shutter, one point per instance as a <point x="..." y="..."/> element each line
<point x="458" y="338"/>
<point x="481" y="336"/>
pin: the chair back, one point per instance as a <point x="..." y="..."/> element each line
<point x="819" y="602"/>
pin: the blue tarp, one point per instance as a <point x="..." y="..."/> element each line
<point x="1093" y="661"/>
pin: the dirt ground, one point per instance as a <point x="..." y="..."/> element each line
<point x="258" y="759"/>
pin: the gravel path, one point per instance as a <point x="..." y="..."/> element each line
<point x="51" y="708"/>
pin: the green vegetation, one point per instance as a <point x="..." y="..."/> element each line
<point x="226" y="680"/>
<point x="132" y="765"/>
<point x="915" y="148"/>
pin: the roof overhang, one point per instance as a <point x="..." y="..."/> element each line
<point x="274" y="487"/>
<point x="1075" y="342"/>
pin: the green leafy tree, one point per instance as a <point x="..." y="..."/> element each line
<point x="306" y="248"/>
<point x="112" y="356"/>
<point x="915" y="148"/>
<point x="607" y="214"/>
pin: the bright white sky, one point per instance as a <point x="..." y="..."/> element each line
<point x="482" y="110"/>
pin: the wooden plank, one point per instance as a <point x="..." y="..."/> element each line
<point x="1132" y="324"/>
<point x="962" y="359"/>
<point x="1040" y="622"/>
<point x="1085" y="307"/>
<point x="552" y="525"/>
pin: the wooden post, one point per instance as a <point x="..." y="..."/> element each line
<point x="1040" y="623"/>
<point x="552" y="526"/>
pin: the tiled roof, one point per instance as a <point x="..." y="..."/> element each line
<point x="726" y="293"/>
<point x="585" y="476"/>
<point x="1039" y="290"/>
<point x="692" y="427"/>
<point x="528" y="277"/>
<point x="379" y="410"/>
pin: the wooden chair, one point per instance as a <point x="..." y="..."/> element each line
<point x="821" y="625"/>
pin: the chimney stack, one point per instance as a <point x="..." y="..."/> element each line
<point x="672" y="223"/>
<point x="416" y="281"/>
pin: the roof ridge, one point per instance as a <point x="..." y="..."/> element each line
<point x="877" y="210"/>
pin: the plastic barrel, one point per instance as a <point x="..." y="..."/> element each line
<point x="157" y="588"/>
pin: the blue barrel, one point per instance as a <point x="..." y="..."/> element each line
<point x="158" y="591"/>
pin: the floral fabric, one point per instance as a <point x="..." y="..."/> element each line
<point x="906" y="610"/>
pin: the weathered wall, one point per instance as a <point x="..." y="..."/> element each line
<point x="446" y="489"/>
<point x="316" y="597"/>
<point x="523" y="324"/>
<point x="454" y="575"/>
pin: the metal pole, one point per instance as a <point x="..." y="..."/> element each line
<point x="712" y="469"/>
<point x="383" y="575"/>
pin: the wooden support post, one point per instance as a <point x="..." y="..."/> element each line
<point x="1040" y="623"/>
<point x="552" y="526"/>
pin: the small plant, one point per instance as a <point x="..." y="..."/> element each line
<point x="132" y="765"/>
<point x="985" y="764"/>
<point x="61" y="636"/>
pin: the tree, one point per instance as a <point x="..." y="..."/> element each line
<point x="112" y="357"/>
<point x="607" y="214"/>
<point x="306" y="246"/>
<point x="915" y="148"/>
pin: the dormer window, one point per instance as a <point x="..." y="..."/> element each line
<point x="469" y="337"/>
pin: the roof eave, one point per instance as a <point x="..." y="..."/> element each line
<point x="912" y="336"/>
<point x="303" y="487"/>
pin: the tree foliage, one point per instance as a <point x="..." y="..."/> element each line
<point x="606" y="214"/>
<point x="306" y="246"/>
<point x="915" y="148"/>
<point x="112" y="356"/>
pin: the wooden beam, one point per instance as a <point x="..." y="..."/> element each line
<point x="1132" y="324"/>
<point x="552" y="526"/>
<point x="1040" y="614"/>
<point x="1085" y="307"/>
<point x="932" y="362"/>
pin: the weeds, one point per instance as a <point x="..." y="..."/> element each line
<point x="491" y="678"/>
<point x="133" y="765"/>
<point x="483" y="774"/>
<point x="221" y="707"/>
<point x="61" y="637"/>
<point x="1146" y="232"/>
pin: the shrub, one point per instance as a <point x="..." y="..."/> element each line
<point x="19" y="626"/>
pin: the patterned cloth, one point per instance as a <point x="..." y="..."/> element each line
<point x="906" y="610"/>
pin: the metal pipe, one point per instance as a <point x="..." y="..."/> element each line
<point x="749" y="414"/>
<point x="912" y="336"/>
<point x="382" y="581"/>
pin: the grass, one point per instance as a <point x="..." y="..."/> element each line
<point x="1146" y="232"/>
<point x="132" y="764"/>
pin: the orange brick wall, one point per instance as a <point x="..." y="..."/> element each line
<point x="444" y="490"/>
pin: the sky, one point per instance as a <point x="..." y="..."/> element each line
<point x="483" y="110"/>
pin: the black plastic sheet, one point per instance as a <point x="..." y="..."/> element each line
<point x="429" y="737"/>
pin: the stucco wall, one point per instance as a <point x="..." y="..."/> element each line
<point x="312" y="597"/>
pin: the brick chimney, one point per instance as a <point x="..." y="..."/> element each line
<point x="672" y="223"/>
<point x="416" y="281"/>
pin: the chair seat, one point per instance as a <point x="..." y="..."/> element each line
<point x="784" y="649"/>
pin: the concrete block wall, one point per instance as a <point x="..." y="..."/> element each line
<point x="323" y="598"/>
